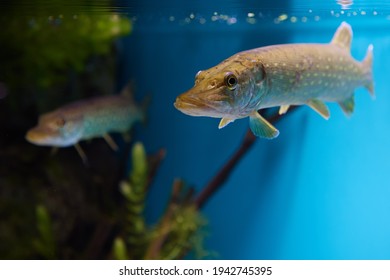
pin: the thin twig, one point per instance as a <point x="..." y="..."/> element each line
<point x="99" y="238"/>
<point x="220" y="178"/>
<point x="154" y="249"/>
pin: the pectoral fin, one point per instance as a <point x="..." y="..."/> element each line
<point x="81" y="153"/>
<point x="110" y="142"/>
<point x="348" y="105"/>
<point x="320" y="107"/>
<point x="224" y="122"/>
<point x="283" y="109"/>
<point x="261" y="127"/>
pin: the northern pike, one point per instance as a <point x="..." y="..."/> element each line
<point x="280" y="76"/>
<point x="86" y="119"/>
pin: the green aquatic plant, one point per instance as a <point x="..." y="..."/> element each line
<point x="134" y="190"/>
<point x="42" y="43"/>
<point x="45" y="244"/>
<point x="120" y="249"/>
<point x="178" y="231"/>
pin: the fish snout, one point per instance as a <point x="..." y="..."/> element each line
<point x="185" y="100"/>
<point x="33" y="136"/>
<point x="207" y="103"/>
<point x="39" y="136"/>
<point x="192" y="104"/>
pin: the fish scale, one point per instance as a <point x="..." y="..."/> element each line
<point x="279" y="75"/>
<point x="306" y="71"/>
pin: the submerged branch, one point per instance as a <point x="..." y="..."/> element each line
<point x="154" y="249"/>
<point x="219" y="179"/>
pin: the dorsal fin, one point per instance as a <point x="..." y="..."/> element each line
<point x="128" y="91"/>
<point x="343" y="36"/>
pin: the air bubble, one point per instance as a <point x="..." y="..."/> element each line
<point x="282" y="17"/>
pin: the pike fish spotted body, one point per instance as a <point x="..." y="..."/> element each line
<point x="279" y="76"/>
<point x="86" y="119"/>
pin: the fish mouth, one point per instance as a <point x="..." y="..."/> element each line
<point x="37" y="136"/>
<point x="45" y="137"/>
<point x="190" y="106"/>
<point x="207" y="103"/>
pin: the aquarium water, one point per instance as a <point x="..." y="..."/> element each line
<point x="321" y="190"/>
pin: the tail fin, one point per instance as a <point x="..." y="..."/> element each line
<point x="128" y="91"/>
<point x="367" y="66"/>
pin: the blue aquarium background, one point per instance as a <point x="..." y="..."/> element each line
<point x="321" y="190"/>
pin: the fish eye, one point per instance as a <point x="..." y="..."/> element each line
<point x="231" y="81"/>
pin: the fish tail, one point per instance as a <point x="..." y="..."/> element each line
<point x="367" y="67"/>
